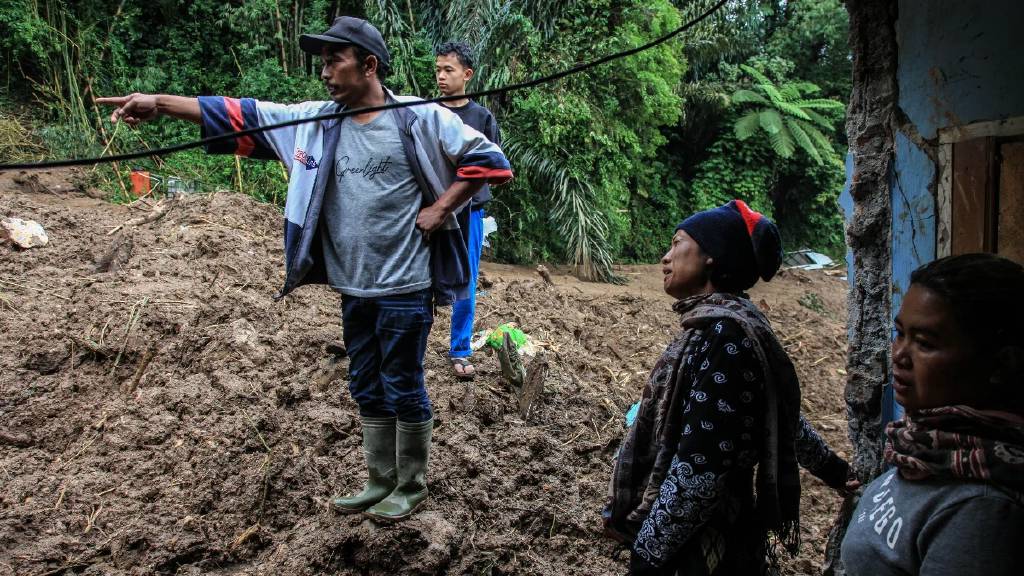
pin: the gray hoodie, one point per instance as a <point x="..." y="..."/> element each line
<point x="934" y="528"/>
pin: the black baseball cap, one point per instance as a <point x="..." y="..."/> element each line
<point x="348" y="30"/>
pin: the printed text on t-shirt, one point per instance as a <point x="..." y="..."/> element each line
<point x="368" y="171"/>
<point x="883" y="512"/>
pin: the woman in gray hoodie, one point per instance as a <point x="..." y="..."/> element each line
<point x="953" y="501"/>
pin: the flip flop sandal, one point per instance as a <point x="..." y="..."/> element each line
<point x="465" y="364"/>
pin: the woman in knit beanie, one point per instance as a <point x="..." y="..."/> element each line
<point x="722" y="399"/>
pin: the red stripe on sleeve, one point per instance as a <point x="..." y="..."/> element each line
<point x="245" y="143"/>
<point x="492" y="175"/>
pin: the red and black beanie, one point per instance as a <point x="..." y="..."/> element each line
<point x="745" y="244"/>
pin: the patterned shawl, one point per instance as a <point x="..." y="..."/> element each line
<point x="960" y="442"/>
<point x="646" y="452"/>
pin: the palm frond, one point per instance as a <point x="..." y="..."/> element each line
<point x="392" y="22"/>
<point x="585" y="229"/>
<point x="546" y="14"/>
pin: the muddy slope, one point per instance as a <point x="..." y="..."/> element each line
<point x="160" y="413"/>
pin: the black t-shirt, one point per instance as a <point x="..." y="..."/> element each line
<point x="480" y="118"/>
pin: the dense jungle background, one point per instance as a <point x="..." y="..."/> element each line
<point x="749" y="104"/>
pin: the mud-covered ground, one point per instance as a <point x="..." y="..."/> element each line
<point x="161" y="414"/>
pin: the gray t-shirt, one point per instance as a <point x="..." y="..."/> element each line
<point x="368" y="223"/>
<point x="934" y="528"/>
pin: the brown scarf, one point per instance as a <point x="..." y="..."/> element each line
<point x="962" y="443"/>
<point x="647" y="450"/>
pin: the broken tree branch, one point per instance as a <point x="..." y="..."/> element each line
<point x="155" y="214"/>
<point x="147" y="356"/>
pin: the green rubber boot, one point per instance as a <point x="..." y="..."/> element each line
<point x="379" y="449"/>
<point x="411" y="491"/>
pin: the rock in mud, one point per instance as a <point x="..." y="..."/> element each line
<point x="22" y="233"/>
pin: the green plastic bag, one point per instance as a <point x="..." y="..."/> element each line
<point x="497" y="336"/>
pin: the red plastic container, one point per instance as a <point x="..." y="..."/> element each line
<point x="140" y="182"/>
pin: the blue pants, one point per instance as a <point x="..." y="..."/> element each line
<point x="386" y="338"/>
<point x="464" y="310"/>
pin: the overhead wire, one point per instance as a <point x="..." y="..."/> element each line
<point x="365" y="110"/>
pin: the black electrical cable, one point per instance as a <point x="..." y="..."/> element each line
<point x="232" y="135"/>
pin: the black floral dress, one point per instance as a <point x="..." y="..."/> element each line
<point x="703" y="520"/>
<point x="718" y="448"/>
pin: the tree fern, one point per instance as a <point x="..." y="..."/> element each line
<point x="771" y="120"/>
<point x="799" y="131"/>
<point x="804" y="88"/>
<point x="756" y="74"/>
<point x="821" y="103"/>
<point x="792" y="110"/>
<point x="822" y="142"/>
<point x="747" y="126"/>
<point x="748" y="96"/>
<point x="782" y="142"/>
<point x="789" y="120"/>
<point x="818" y="119"/>
<point x="790" y="92"/>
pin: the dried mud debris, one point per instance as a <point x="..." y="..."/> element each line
<point x="161" y="414"/>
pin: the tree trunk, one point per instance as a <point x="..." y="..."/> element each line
<point x="870" y="126"/>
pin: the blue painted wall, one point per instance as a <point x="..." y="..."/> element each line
<point x="913" y="230"/>
<point x="960" y="62"/>
<point x="846" y="204"/>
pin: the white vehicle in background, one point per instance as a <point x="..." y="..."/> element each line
<point x="807" y="260"/>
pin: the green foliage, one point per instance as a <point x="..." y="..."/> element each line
<point x="737" y="126"/>
<point x="813" y="36"/>
<point x="788" y="118"/>
<point x="806" y="202"/>
<point x="607" y="162"/>
<point x="812" y="301"/>
<point x="734" y="169"/>
<point x="582" y="146"/>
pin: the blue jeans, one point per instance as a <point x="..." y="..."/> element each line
<point x="386" y="338"/>
<point x="464" y="310"/>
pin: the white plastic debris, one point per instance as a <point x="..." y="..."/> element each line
<point x="22" y="233"/>
<point x="490" y="227"/>
<point x="479" y="340"/>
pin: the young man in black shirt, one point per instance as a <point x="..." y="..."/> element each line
<point x="453" y="70"/>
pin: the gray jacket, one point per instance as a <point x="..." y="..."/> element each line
<point x="439" y="147"/>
